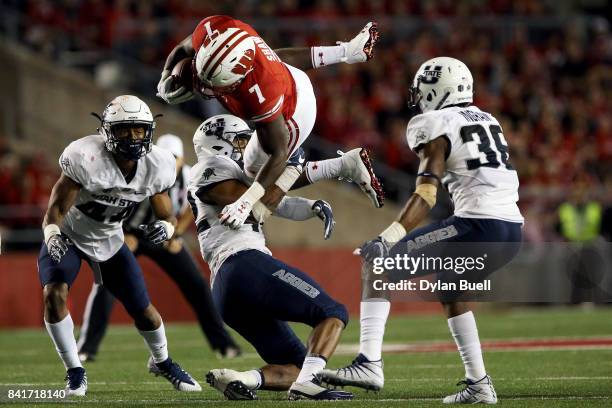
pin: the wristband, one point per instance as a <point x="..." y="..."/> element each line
<point x="288" y="178"/>
<point x="394" y="232"/>
<point x="50" y="231"/>
<point x="254" y="193"/>
<point x="323" y="56"/>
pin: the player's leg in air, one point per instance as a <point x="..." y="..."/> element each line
<point x="256" y="295"/>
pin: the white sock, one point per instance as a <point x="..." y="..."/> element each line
<point x="156" y="342"/>
<point x="327" y="55"/>
<point x="311" y="366"/>
<point x="323" y="170"/>
<point x="253" y="379"/>
<point x="62" y="334"/>
<point x="464" y="330"/>
<point x="372" y="319"/>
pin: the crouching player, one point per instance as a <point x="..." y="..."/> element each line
<point x="104" y="177"/>
<point x="255" y="293"/>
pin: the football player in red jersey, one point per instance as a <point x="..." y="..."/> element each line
<point x="233" y="64"/>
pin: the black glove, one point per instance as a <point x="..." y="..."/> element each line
<point x="323" y="210"/>
<point x="375" y="248"/>
<point x="157" y="232"/>
<point x="57" y="246"/>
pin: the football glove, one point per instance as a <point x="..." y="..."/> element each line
<point x="235" y="214"/>
<point x="361" y="47"/>
<point x="297" y="159"/>
<point x="165" y="90"/>
<point x="158" y="231"/>
<point x="375" y="248"/>
<point x="57" y="246"/>
<point x="323" y="210"/>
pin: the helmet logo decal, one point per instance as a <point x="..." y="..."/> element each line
<point x="431" y="76"/>
<point x="243" y="66"/>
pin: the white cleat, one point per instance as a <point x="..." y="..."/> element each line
<point x="357" y="167"/>
<point x="233" y="384"/>
<point x="313" y="390"/>
<point x="171" y="371"/>
<point x="76" y="382"/>
<point x="475" y="392"/>
<point x="362" y="373"/>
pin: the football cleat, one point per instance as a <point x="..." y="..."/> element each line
<point x="171" y="371"/>
<point x="231" y="383"/>
<point x="357" y="167"/>
<point x="475" y="392"/>
<point x="313" y="390"/>
<point x="76" y="382"/>
<point x="362" y="373"/>
<point x="361" y="48"/>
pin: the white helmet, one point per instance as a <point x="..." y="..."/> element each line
<point x="172" y="143"/>
<point x="224" y="60"/>
<point x="127" y="111"/>
<point x="221" y="135"/>
<point x="440" y="82"/>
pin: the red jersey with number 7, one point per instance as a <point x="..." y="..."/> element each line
<point x="268" y="90"/>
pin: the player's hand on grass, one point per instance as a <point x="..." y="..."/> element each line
<point x="235" y="214"/>
<point x="158" y="231"/>
<point x="57" y="246"/>
<point x="361" y="47"/>
<point x="375" y="248"/>
<point x="169" y="92"/>
<point x="323" y="210"/>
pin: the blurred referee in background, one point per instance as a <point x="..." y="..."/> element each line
<point x="172" y="258"/>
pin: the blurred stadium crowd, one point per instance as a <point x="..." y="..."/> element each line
<point x="542" y="67"/>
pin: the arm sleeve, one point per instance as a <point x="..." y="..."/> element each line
<point x="295" y="208"/>
<point x="424" y="128"/>
<point x="71" y="163"/>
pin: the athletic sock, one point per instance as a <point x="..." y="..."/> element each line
<point x="323" y="169"/>
<point x="373" y="317"/>
<point x="253" y="379"/>
<point x="62" y="334"/>
<point x="464" y="331"/>
<point x="157" y="343"/>
<point x="312" y="365"/>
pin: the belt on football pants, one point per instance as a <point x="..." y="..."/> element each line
<point x="204" y="225"/>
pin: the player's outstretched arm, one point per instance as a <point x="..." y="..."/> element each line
<point x="431" y="169"/>
<point x="162" y="229"/>
<point x="63" y="196"/>
<point x="359" y="49"/>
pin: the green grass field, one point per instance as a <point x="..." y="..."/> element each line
<point x="572" y="377"/>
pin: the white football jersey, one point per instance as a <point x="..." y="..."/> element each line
<point x="94" y="222"/>
<point x="479" y="176"/>
<point x="217" y="241"/>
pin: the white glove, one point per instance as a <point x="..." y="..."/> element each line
<point x="361" y="48"/>
<point x="172" y="97"/>
<point x="235" y="214"/>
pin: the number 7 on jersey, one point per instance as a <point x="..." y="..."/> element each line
<point x="255" y="88"/>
